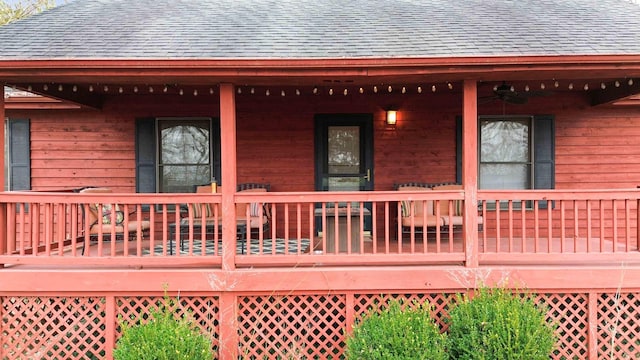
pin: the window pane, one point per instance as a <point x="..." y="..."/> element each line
<point x="182" y="178"/>
<point x="505" y="176"/>
<point x="504" y="141"/>
<point x="184" y="142"/>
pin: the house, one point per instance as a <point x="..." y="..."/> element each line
<point x="529" y="107"/>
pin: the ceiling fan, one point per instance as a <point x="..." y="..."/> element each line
<point x="508" y="94"/>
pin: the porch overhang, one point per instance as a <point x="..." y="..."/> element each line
<point x="306" y="71"/>
<point x="58" y="79"/>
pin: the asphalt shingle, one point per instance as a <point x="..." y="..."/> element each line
<point x="314" y="29"/>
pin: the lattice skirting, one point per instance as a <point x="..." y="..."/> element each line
<point x="293" y="324"/>
<point x="282" y="247"/>
<point x="282" y="325"/>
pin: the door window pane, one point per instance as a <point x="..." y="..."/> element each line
<point x="344" y="150"/>
<point x="344" y="183"/>
<point x="343" y="160"/>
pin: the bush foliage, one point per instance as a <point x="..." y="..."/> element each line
<point x="163" y="337"/>
<point x="495" y="324"/>
<point x="397" y="334"/>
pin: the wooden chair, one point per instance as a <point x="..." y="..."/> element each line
<point x="417" y="216"/>
<point x="105" y="218"/>
<point x="254" y="222"/>
<point x="413" y="214"/>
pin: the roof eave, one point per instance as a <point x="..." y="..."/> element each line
<point x="268" y="70"/>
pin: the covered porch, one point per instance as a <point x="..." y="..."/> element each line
<point x="321" y="257"/>
<point x="525" y="112"/>
<point x="580" y="258"/>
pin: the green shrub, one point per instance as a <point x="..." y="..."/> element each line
<point x="163" y="337"/>
<point x="495" y="324"/>
<point x="395" y="333"/>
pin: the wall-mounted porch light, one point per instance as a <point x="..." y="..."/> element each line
<point x="392" y="117"/>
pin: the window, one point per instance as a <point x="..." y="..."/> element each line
<point x="519" y="152"/>
<point x="505" y="153"/>
<point x="538" y="172"/>
<point x="516" y="152"/>
<point x="184" y="154"/>
<point x="17" y="162"/>
<point x="174" y="154"/>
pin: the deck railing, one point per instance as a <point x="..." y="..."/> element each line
<point x="319" y="228"/>
<point x="560" y="226"/>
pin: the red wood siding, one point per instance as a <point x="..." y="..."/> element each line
<point x="595" y="147"/>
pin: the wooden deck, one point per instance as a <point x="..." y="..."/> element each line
<point x="580" y="258"/>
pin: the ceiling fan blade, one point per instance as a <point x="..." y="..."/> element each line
<point x="537" y="93"/>
<point x="487" y="99"/>
<point x="515" y="99"/>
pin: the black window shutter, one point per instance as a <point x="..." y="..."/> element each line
<point x="216" y="148"/>
<point x="20" y="155"/>
<point x="458" y="149"/>
<point x="146" y="155"/>
<point x="544" y="153"/>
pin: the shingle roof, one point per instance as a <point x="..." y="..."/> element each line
<point x="314" y="29"/>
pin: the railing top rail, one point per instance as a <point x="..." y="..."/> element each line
<point x="554" y="194"/>
<point x="316" y="196"/>
<point x="342" y="196"/>
<point x="117" y="198"/>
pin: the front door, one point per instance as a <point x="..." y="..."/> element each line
<point x="344" y="153"/>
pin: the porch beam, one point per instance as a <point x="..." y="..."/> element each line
<point x="293" y="71"/>
<point x="470" y="171"/>
<point x="97" y="67"/>
<point x="82" y="98"/>
<point x="272" y="280"/>
<point x="612" y="93"/>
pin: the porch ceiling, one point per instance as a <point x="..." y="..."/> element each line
<point x="93" y="94"/>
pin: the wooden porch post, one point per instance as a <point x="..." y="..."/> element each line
<point x="2" y="135"/>
<point x="229" y="175"/>
<point x="3" y="207"/>
<point x="470" y="171"/>
<point x="228" y="336"/>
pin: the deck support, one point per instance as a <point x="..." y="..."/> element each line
<point x="470" y="171"/>
<point x="3" y="207"/>
<point x="2" y="136"/>
<point x="228" y="304"/>
<point x="229" y="340"/>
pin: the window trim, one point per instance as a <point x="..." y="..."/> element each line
<point x="532" y="141"/>
<point x="212" y="140"/>
<point x="543" y="153"/>
<point x="146" y="139"/>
